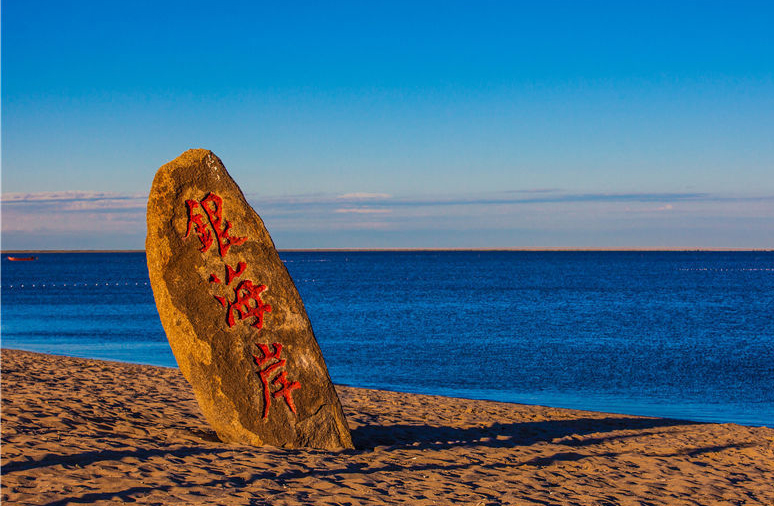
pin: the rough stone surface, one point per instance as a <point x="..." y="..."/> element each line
<point x="232" y="314"/>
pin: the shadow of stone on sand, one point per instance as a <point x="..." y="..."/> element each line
<point x="500" y="435"/>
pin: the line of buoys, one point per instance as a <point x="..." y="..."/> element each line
<point x="708" y="269"/>
<point x="70" y="285"/>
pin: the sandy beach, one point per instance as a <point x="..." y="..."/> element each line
<point x="78" y="431"/>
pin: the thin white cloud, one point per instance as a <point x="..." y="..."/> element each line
<point x="323" y="203"/>
<point x="35" y="216"/>
<point x="363" y="196"/>
<point x="361" y="210"/>
<point x="537" y="190"/>
<point x="105" y="205"/>
<point x="72" y="211"/>
<point x="66" y="196"/>
<point x="369" y="225"/>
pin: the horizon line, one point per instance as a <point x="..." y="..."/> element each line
<point x="418" y="249"/>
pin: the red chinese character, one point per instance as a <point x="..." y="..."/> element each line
<point x="205" y="237"/>
<point x="247" y="298"/>
<point x="213" y="208"/>
<point x="286" y="387"/>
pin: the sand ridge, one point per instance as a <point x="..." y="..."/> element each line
<point x="78" y="431"/>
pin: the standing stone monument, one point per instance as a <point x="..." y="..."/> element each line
<point x="232" y="314"/>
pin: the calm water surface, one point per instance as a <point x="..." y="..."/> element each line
<point x="678" y="334"/>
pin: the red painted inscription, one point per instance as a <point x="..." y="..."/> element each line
<point x="212" y="205"/>
<point x="244" y="298"/>
<point x="247" y="300"/>
<point x="270" y="363"/>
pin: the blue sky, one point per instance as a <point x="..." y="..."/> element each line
<point x="397" y="124"/>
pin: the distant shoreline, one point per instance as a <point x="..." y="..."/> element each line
<point x="410" y="250"/>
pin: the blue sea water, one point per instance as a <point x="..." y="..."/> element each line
<point x="678" y="334"/>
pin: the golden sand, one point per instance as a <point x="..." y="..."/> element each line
<point x="80" y="431"/>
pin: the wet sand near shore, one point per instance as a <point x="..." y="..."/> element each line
<point x="78" y="431"/>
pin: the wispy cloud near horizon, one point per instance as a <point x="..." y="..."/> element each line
<point x="72" y="212"/>
<point x="363" y="196"/>
<point x="507" y="198"/>
<point x="362" y="210"/>
<point x="66" y="196"/>
<point x="540" y="211"/>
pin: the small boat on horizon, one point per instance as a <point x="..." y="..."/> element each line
<point x="21" y="259"/>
